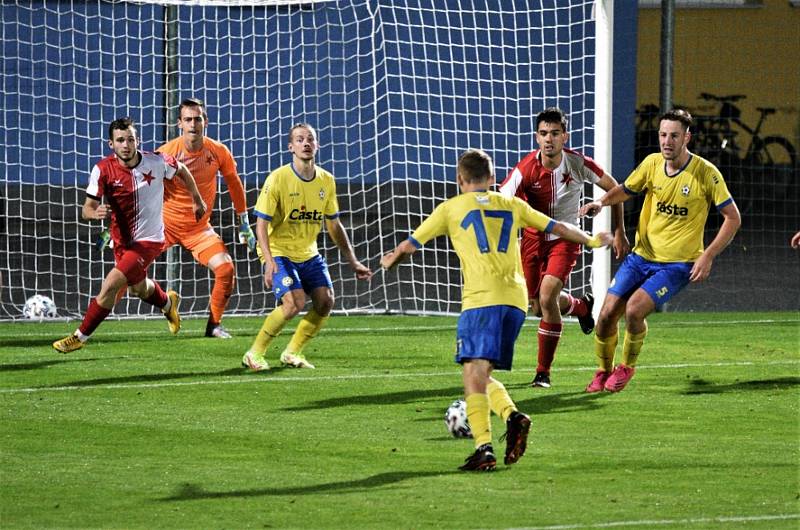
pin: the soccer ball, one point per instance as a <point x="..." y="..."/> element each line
<point x="39" y="307"/>
<point x="456" y="419"/>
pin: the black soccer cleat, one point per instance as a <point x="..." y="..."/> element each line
<point x="518" y="425"/>
<point x="481" y="460"/>
<point x="587" y="322"/>
<point x="541" y="380"/>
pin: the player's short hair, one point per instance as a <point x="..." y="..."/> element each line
<point x="475" y="165"/>
<point x="120" y="124"/>
<point x="298" y="126"/>
<point x="680" y="115"/>
<point x="193" y="102"/>
<point x="552" y="115"/>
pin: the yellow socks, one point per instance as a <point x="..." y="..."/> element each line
<point x="270" y="329"/>
<point x="306" y="330"/>
<point x="604" y="350"/>
<point x="478" y="417"/>
<point x="631" y="346"/>
<point x="499" y="400"/>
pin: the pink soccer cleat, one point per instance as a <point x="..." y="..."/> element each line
<point x="619" y="378"/>
<point x="599" y="381"/>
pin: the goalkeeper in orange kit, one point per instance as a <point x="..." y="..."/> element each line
<point x="205" y="157"/>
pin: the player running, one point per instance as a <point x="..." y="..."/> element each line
<point x="678" y="187"/>
<point x="551" y="179"/>
<point x="132" y="184"/>
<point x="483" y="226"/>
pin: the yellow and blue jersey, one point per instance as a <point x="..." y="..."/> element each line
<point x="675" y="208"/>
<point x="483" y="228"/>
<point x="295" y="209"/>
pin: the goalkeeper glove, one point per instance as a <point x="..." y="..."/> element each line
<point x="246" y="235"/>
<point x="102" y="240"/>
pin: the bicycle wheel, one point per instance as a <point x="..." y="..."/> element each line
<point x="777" y="156"/>
<point x="776" y="151"/>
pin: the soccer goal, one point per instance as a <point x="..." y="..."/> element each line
<point x="396" y="89"/>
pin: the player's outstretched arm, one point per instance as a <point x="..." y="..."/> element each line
<point x="398" y="255"/>
<point x="621" y="244"/>
<point x="613" y="196"/>
<point x="576" y="235"/>
<point x="339" y="236"/>
<point x="198" y="204"/>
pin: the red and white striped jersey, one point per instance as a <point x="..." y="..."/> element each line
<point x="136" y="196"/>
<point x="556" y="193"/>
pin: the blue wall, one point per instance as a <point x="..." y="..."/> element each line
<point x="394" y="93"/>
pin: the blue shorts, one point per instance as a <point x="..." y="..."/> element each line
<point x="661" y="281"/>
<point x="307" y="275"/>
<point x="489" y="333"/>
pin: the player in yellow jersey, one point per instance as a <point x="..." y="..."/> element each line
<point x="294" y="202"/>
<point x="483" y="226"/>
<point x="679" y="187"/>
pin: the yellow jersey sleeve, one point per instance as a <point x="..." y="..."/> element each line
<point x="484" y="229"/>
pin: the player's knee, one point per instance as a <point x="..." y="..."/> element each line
<point x="292" y="303"/>
<point x="324" y="305"/>
<point x="225" y="275"/>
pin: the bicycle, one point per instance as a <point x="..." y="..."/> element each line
<point x="767" y="151"/>
<point x="767" y="165"/>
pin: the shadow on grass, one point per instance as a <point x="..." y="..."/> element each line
<point x="149" y="378"/>
<point x="28" y="342"/>
<point x="549" y="403"/>
<point x="391" y="398"/>
<point x="44" y="364"/>
<point x="190" y="492"/>
<point x="702" y="386"/>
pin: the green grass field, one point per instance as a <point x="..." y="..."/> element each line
<point x="140" y="429"/>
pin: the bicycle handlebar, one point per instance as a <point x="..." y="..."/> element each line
<point x="723" y="99"/>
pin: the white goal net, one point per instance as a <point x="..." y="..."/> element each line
<point x="397" y="89"/>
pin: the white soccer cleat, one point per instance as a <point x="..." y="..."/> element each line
<point x="295" y="360"/>
<point x="255" y="361"/>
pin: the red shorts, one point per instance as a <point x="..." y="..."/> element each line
<point x="134" y="260"/>
<point x="540" y="257"/>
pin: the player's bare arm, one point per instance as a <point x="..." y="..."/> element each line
<point x="262" y="236"/>
<point x="795" y="241"/>
<point x="398" y="255"/>
<point x="730" y="225"/>
<point x="621" y="244"/>
<point x="198" y="204"/>
<point x="576" y="235"/>
<point x="615" y="195"/>
<point x="339" y="236"/>
<point x="93" y="209"/>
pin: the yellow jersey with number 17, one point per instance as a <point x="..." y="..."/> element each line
<point x="675" y="208"/>
<point x="295" y="209"/>
<point x="484" y="229"/>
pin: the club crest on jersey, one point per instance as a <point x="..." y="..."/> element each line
<point x="148" y="177"/>
<point x="685" y="191"/>
<point x="321" y="194"/>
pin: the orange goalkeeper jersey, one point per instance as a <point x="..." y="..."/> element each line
<point x="204" y="164"/>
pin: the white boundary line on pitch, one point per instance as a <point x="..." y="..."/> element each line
<point x="530" y="322"/>
<point x="668" y="522"/>
<point x="253" y="378"/>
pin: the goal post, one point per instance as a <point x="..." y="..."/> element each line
<point x="396" y="89"/>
